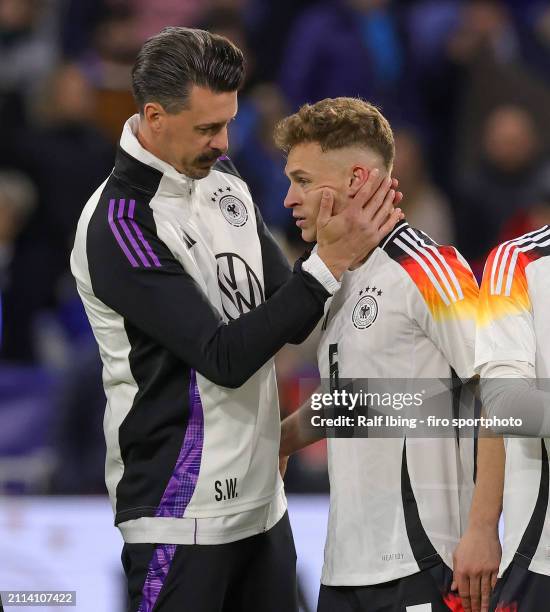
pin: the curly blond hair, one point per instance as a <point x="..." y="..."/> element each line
<point x="335" y="123"/>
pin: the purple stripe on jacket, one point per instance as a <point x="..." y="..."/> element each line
<point x="118" y="237"/>
<point x="177" y="495"/>
<point x="132" y="240"/>
<point x="181" y="485"/>
<point x="140" y="235"/>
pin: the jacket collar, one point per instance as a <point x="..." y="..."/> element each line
<point x="171" y="183"/>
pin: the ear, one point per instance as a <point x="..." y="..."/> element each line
<point x="359" y="174"/>
<point x="154" y="114"/>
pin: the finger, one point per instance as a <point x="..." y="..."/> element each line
<point x="394" y="183"/>
<point x="475" y="593"/>
<point x="494" y="578"/>
<point x="368" y="189"/>
<point x="325" y="208"/>
<point x="398" y="198"/>
<point x="485" y="592"/>
<point x="394" y="218"/>
<point x="385" y="210"/>
<point x="378" y="198"/>
<point x="464" y="591"/>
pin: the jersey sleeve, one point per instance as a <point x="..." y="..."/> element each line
<point x="141" y="280"/>
<point x="447" y="293"/>
<point x="505" y="327"/>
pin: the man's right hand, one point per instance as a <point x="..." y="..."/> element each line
<point x="349" y="236"/>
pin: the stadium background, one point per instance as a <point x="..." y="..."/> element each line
<point x="466" y="86"/>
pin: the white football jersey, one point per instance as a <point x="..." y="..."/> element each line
<point x="395" y="503"/>
<point x="514" y="325"/>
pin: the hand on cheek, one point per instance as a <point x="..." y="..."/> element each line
<point x="315" y="194"/>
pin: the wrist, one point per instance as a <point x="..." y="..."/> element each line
<point x="483" y="524"/>
<point x="336" y="265"/>
<point x="319" y="270"/>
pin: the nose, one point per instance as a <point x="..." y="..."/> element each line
<point x="220" y="141"/>
<point x="291" y="198"/>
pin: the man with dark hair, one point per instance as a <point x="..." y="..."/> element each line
<point x="189" y="298"/>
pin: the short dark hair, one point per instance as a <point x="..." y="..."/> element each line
<point x="335" y="123"/>
<point x="174" y="60"/>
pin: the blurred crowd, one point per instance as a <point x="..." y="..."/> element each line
<point x="465" y="84"/>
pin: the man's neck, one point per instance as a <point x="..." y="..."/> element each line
<point x="146" y="143"/>
<point x="360" y="262"/>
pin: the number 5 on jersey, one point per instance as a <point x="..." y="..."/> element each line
<point x="334" y="379"/>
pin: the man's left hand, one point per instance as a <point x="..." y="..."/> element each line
<point x="476" y="561"/>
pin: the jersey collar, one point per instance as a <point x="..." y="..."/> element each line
<point x="399" y="226"/>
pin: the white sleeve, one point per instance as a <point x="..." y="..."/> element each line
<point x="315" y="266"/>
<point x="509" y="391"/>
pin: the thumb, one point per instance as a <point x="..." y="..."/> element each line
<point x="325" y="209"/>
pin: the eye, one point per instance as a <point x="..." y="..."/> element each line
<point x="210" y="130"/>
<point x="302" y="181"/>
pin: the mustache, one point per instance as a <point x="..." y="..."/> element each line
<point x="207" y="158"/>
